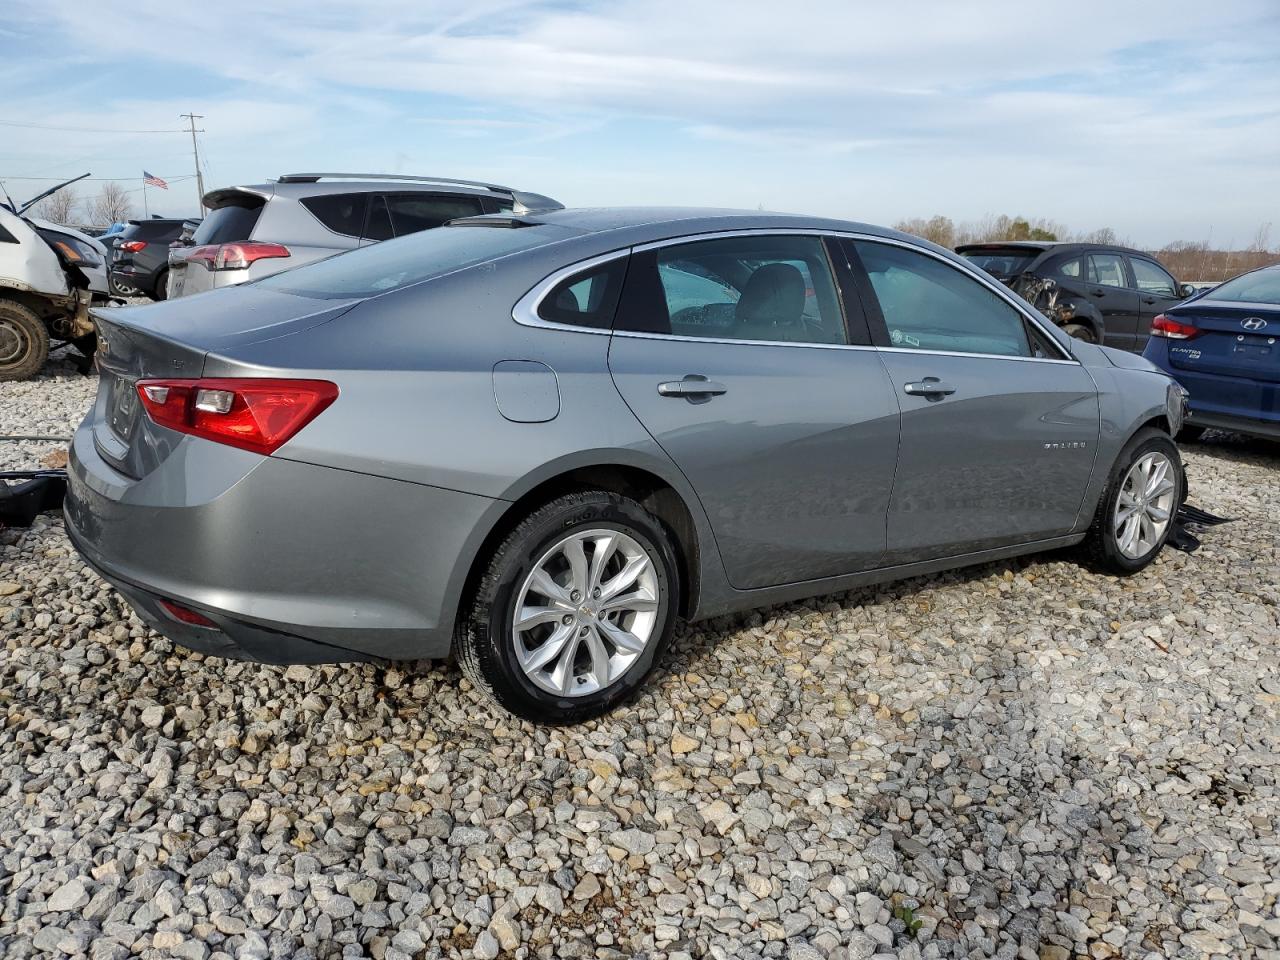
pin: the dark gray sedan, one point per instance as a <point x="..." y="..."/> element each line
<point x="537" y="441"/>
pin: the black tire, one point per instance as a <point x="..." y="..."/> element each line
<point x="1080" y="332"/>
<point x="485" y="642"/>
<point x="24" y="341"/>
<point x="1101" y="544"/>
<point x="1191" y="434"/>
<point x="161" y="290"/>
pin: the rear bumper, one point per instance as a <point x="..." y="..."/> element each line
<point x="295" y="563"/>
<point x="1237" y="403"/>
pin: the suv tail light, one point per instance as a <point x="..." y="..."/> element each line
<point x="235" y="256"/>
<point x="133" y="246"/>
<point x="1162" y="326"/>
<point x="250" y="413"/>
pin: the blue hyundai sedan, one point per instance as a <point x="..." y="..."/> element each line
<point x="1223" y="348"/>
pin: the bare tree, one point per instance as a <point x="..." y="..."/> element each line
<point x="59" y="207"/>
<point x="112" y="204"/>
<point x="938" y="229"/>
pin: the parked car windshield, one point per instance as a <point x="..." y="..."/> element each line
<point x="393" y="264"/>
<point x="1261" y="286"/>
<point x="1003" y="264"/>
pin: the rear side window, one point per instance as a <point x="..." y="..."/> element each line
<point x="227" y="224"/>
<point x="381" y="267"/>
<point x="930" y="305"/>
<point x="586" y="299"/>
<point x="341" y="212"/>
<point x="773" y="289"/>
<point x="1069" y="269"/>
<point x="1107" y="269"/>
<point x="411" y="212"/>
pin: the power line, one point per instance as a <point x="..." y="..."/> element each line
<point x="45" y="126"/>
<point x="176" y="176"/>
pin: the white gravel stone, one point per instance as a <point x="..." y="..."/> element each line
<point x="1027" y="760"/>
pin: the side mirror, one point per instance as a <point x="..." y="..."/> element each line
<point x="1187" y="290"/>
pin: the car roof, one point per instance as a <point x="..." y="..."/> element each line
<point x="1046" y="246"/>
<point x="659" y="222"/>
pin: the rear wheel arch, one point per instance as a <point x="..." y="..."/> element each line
<point x="644" y="486"/>
<point x="1085" y="315"/>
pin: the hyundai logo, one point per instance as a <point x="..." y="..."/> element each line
<point x="1253" y="323"/>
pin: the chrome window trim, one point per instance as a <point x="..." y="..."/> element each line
<point x="525" y="312"/>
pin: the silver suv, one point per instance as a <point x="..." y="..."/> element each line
<point x="254" y="231"/>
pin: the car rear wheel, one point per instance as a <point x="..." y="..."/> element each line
<point x="572" y="610"/>
<point x="1080" y="332"/>
<point x="162" y="286"/>
<point x="24" y="341"/>
<point x="1138" y="508"/>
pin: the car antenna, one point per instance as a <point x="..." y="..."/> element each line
<point x="13" y="207"/>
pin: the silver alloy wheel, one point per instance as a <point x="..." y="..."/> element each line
<point x="1145" y="505"/>
<point x="586" y="612"/>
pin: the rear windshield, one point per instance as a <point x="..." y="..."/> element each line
<point x="1261" y="286"/>
<point x="1001" y="263"/>
<point x="393" y="264"/>
<point x="152" y="230"/>
<point x="227" y="225"/>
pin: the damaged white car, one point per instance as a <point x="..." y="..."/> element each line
<point x="46" y="288"/>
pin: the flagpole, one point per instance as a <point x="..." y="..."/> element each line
<point x="146" y="213"/>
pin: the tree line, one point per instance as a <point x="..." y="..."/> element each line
<point x="112" y="204"/>
<point x="1186" y="259"/>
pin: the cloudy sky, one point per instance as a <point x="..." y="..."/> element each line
<point x="1161" y="120"/>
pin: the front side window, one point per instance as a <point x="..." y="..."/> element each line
<point x="1107" y="269"/>
<point x="586" y="299"/>
<point x="1152" y="278"/>
<point x="930" y="305"/>
<point x="776" y="289"/>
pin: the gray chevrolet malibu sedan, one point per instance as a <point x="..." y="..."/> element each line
<point x="537" y="441"/>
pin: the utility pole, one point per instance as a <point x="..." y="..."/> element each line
<point x="193" y="117"/>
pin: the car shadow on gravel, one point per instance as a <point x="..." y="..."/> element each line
<point x="1235" y="448"/>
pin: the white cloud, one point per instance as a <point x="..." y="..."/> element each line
<point x="1107" y="102"/>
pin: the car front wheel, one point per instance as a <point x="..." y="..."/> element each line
<point x="573" y="609"/>
<point x="1138" y="508"/>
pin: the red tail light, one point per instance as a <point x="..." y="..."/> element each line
<point x="235" y="256"/>
<point x="133" y="246"/>
<point x="1162" y="326"/>
<point x="250" y="413"/>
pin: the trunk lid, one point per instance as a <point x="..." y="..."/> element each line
<point x="173" y="339"/>
<point x="1236" y="339"/>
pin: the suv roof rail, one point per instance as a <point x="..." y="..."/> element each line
<point x="313" y="177"/>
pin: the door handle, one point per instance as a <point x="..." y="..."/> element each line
<point x="694" y="387"/>
<point x="1097" y="293"/>
<point x="930" y="387"/>
<point x="1148" y="300"/>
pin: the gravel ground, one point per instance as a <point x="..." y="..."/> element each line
<point x="1019" y="760"/>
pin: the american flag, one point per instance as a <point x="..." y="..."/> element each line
<point x="152" y="180"/>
